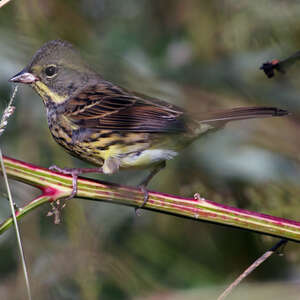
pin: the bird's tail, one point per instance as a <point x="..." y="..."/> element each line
<point x="240" y="113"/>
<point x="211" y="121"/>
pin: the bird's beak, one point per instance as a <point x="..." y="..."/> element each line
<point x="24" y="77"/>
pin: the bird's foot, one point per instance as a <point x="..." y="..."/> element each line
<point x="142" y="186"/>
<point x="74" y="172"/>
<point x="146" y="197"/>
<point x="57" y="206"/>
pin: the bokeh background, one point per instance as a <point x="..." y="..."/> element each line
<point x="202" y="54"/>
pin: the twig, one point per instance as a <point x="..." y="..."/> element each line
<point x="3" y="122"/>
<point x="16" y="227"/>
<point x="3" y="2"/>
<point x="250" y="269"/>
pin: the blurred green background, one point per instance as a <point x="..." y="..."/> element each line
<point x="202" y="54"/>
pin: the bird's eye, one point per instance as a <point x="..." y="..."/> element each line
<point x="50" y="71"/>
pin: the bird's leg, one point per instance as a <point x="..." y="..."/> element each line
<point x="111" y="165"/>
<point x="74" y="172"/>
<point x="145" y="182"/>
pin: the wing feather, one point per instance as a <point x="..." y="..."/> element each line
<point x="106" y="106"/>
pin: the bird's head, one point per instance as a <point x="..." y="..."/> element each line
<point x="56" y="71"/>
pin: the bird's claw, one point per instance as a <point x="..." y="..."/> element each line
<point x="146" y="197"/>
<point x="66" y="171"/>
<point x="55" y="168"/>
<point x="74" y="186"/>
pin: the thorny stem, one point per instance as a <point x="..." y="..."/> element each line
<point x="55" y="186"/>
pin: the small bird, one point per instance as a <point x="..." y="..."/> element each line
<point x="109" y="126"/>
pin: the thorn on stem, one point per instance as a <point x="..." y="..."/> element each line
<point x="198" y="197"/>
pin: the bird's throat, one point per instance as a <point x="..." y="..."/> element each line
<point x="47" y="94"/>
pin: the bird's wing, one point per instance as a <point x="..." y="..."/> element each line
<point x="106" y="106"/>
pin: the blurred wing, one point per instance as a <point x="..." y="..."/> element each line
<point x="106" y="106"/>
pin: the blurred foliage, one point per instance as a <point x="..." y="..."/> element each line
<point x="202" y="55"/>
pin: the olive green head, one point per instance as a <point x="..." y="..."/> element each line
<point x="56" y="71"/>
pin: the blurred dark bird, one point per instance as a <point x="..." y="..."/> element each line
<point x="281" y="66"/>
<point x="109" y="126"/>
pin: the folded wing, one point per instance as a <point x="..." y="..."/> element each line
<point x="105" y="106"/>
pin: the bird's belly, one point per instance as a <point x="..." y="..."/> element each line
<point x="129" y="156"/>
<point x="146" y="157"/>
<point x="132" y="150"/>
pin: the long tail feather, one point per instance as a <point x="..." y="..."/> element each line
<point x="242" y="113"/>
